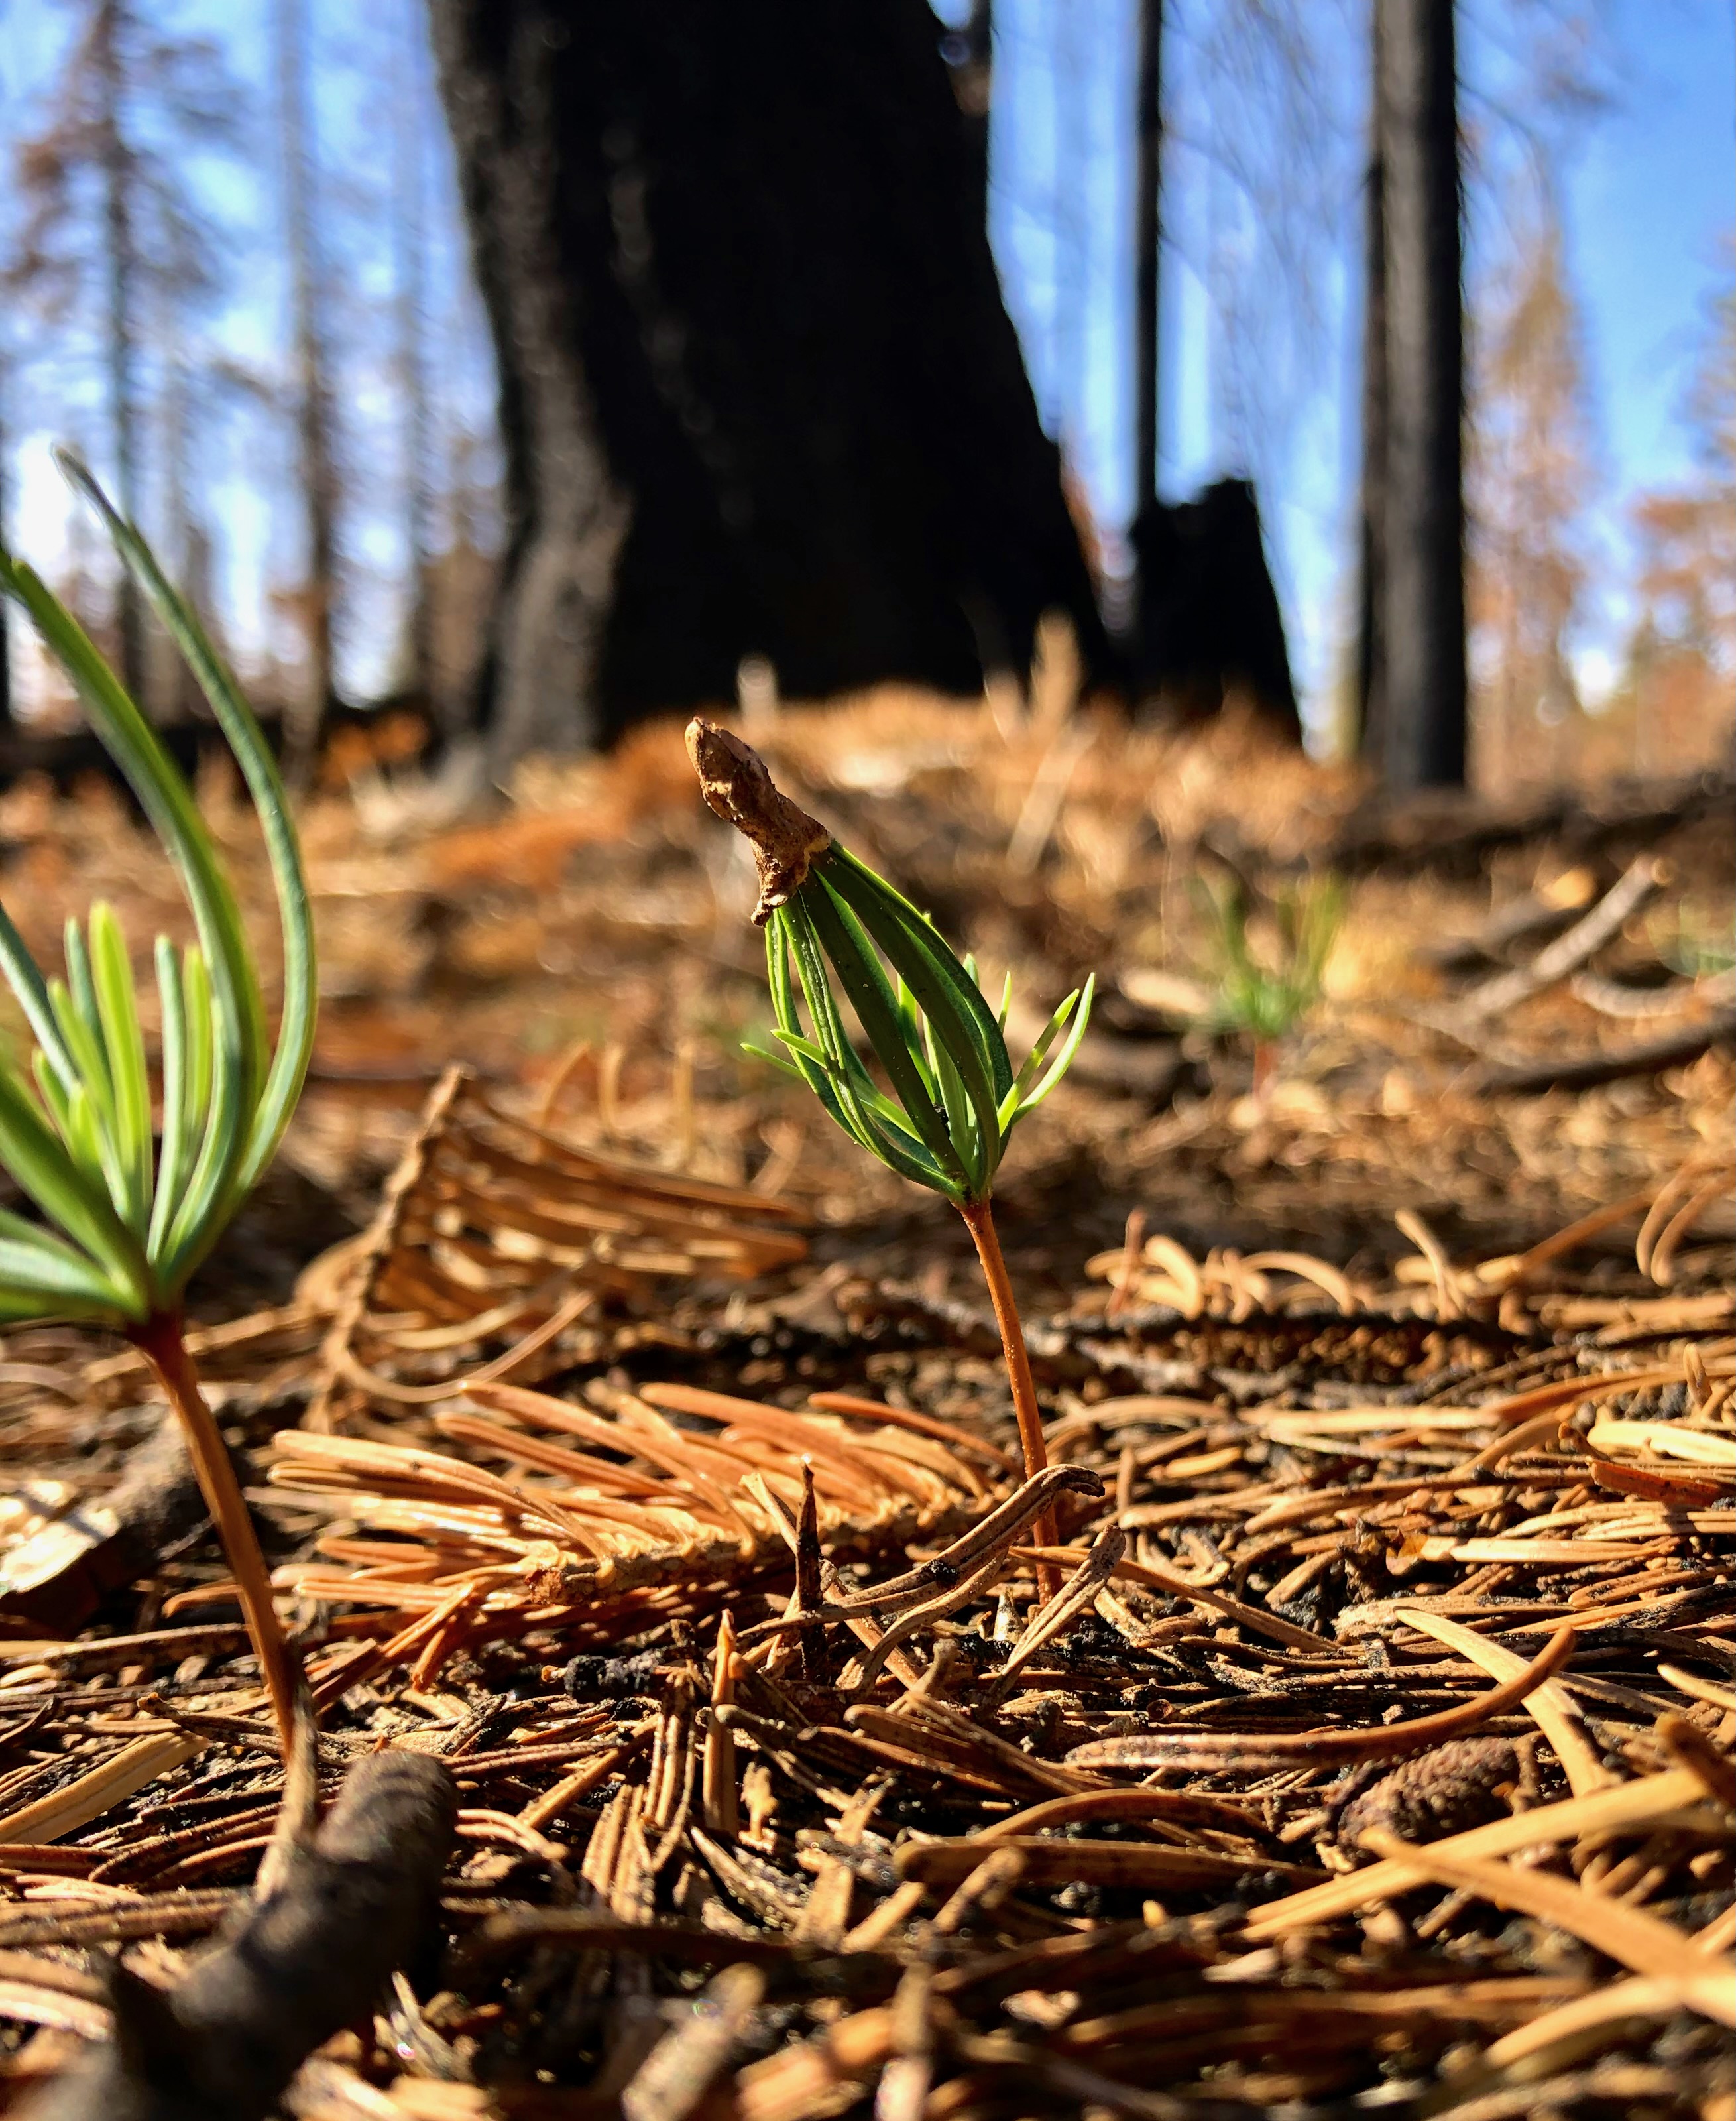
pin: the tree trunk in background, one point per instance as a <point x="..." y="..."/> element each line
<point x="565" y="516"/>
<point x="410" y="297"/>
<point x="1209" y="621"/>
<point x="1148" y="239"/>
<point x="759" y="393"/>
<point x="970" y="61"/>
<point x="317" y="462"/>
<point x="1423" y="632"/>
<point x="177" y="688"/>
<point x="7" y="718"/>
<point x="1371" y="693"/>
<point x="120" y="265"/>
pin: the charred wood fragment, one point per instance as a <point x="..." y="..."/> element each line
<point x="353" y="1905"/>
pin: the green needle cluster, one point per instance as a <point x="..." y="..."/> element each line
<point x="1268" y="1000"/>
<point x="127" y="1220"/>
<point x="954" y="1097"/>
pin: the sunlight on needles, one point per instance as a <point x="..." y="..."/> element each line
<point x="128" y="1215"/>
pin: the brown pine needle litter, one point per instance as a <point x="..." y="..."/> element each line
<point x="1364" y="1744"/>
<point x="765" y="1683"/>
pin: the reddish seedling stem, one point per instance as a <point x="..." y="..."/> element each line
<point x="160" y="1341"/>
<point x="980" y="1221"/>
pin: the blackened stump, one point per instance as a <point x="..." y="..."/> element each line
<point x="758" y="389"/>
<point x="1209" y="620"/>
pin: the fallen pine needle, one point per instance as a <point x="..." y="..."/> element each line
<point x="1643" y="1942"/>
<point x="1676" y="1797"/>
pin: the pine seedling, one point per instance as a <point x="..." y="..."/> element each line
<point x="128" y="1214"/>
<point x="953" y="1098"/>
<point x="1266" y="996"/>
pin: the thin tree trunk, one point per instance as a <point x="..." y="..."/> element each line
<point x="181" y="695"/>
<point x="1504" y="748"/>
<point x="1423" y="595"/>
<point x="1148" y="239"/>
<point x="120" y="265"/>
<point x="566" y="516"/>
<point x="7" y="719"/>
<point x="313" y="389"/>
<point x="1074" y="121"/>
<point x="410" y="303"/>
<point x="973" y="84"/>
<point x="1370" y="698"/>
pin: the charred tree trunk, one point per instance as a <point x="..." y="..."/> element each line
<point x="410" y="300"/>
<point x="1209" y="621"/>
<point x="566" y="514"/>
<point x="316" y="457"/>
<point x="970" y="61"/>
<point x="8" y="719"/>
<point x="1148" y="240"/>
<point x="120" y="265"/>
<point x="1205" y="615"/>
<point x="758" y="390"/>
<point x="177" y="688"/>
<point x="1422" y="570"/>
<point x="1371" y="695"/>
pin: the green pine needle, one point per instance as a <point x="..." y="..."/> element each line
<point x="955" y="1098"/>
<point x="1266" y="994"/>
<point x="130" y="1211"/>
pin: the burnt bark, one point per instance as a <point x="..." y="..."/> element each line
<point x="359" y="1903"/>
<point x="565" y="513"/>
<point x="1371" y="693"/>
<point x="6" y="495"/>
<point x="970" y="61"/>
<point x="1148" y="240"/>
<point x="120" y="267"/>
<point x="409" y="303"/>
<point x="1422" y="627"/>
<point x="1209" y="621"/>
<point x="758" y="389"/>
<point x="316" y="453"/>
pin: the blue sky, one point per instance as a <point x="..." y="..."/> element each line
<point x="1260" y="289"/>
<point x="365" y="64"/>
<point x="1653" y="190"/>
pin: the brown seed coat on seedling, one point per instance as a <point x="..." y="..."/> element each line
<point x="735" y="784"/>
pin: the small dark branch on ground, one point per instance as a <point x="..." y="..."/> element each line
<point x="355" y="1904"/>
<point x="1588" y="1070"/>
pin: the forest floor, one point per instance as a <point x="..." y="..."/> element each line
<point x="1369" y="1747"/>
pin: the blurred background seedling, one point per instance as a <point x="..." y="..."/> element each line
<point x="1266" y="967"/>
<point x="1692" y="941"/>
